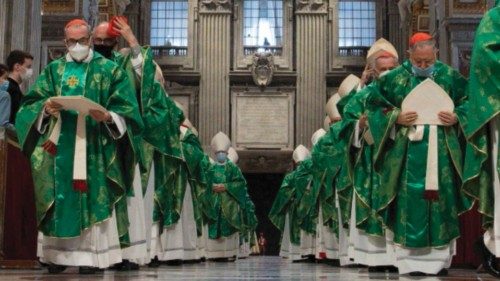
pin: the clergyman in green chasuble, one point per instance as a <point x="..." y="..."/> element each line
<point x="415" y="221"/>
<point x="62" y="210"/>
<point x="226" y="198"/>
<point x="227" y="205"/>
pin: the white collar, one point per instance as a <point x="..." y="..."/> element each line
<point x="86" y="60"/>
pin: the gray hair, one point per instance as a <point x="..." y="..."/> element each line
<point x="373" y="62"/>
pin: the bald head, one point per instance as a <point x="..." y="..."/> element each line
<point x="101" y="30"/>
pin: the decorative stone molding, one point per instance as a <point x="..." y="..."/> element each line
<point x="262" y="69"/>
<point x="468" y="8"/>
<point x="311" y="6"/>
<point x="216" y="5"/>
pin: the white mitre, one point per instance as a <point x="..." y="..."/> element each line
<point x="381" y="47"/>
<point x="220" y="142"/>
<point x="331" y="107"/>
<point x="348" y="84"/>
<point x="300" y="153"/>
<point x="317" y="136"/>
<point x="233" y="155"/>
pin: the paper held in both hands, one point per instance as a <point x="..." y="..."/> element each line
<point x="427" y="100"/>
<point x="78" y="103"/>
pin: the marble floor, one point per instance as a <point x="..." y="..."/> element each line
<point x="253" y="268"/>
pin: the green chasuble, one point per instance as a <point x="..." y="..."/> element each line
<point x="364" y="179"/>
<point x="331" y="176"/>
<point x="61" y="211"/>
<point x="226" y="205"/>
<point x="287" y="201"/>
<point x="155" y="105"/>
<point x="161" y="142"/>
<point x="156" y="110"/>
<point x="194" y="157"/>
<point x="283" y="203"/>
<point x="483" y="105"/>
<point x="415" y="221"/>
<point x="249" y="219"/>
<point x="171" y="173"/>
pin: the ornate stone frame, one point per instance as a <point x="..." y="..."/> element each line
<point x="283" y="62"/>
<point x="287" y="93"/>
<point x="47" y="47"/>
<point x="184" y="62"/>
<point x="336" y="61"/>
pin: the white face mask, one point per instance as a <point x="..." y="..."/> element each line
<point x="27" y="75"/>
<point x="79" y="52"/>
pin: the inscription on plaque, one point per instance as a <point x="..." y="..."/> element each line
<point x="263" y="121"/>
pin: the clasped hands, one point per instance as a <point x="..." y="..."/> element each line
<point x="53" y="108"/>
<point x="218" y="188"/>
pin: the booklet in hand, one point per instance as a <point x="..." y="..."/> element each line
<point x="78" y="103"/>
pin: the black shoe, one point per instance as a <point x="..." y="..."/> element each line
<point x="174" y="262"/>
<point x="331" y="262"/>
<point x="442" y="272"/>
<point x="487" y="258"/>
<point x="376" y="269"/>
<point x="55" y="269"/>
<point x="126" y="265"/>
<point x="417" y="274"/>
<point x="154" y="263"/>
<point x="87" y="270"/>
<point x="391" y="269"/>
<point x="220" y="259"/>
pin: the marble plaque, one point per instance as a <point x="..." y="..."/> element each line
<point x="262" y="120"/>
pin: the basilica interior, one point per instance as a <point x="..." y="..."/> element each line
<point x="259" y="70"/>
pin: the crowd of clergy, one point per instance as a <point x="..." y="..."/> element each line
<point x="122" y="180"/>
<point x="404" y="151"/>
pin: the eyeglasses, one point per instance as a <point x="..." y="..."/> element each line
<point x="105" y="42"/>
<point x="81" y="41"/>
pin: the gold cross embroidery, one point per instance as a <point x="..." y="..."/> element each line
<point x="72" y="81"/>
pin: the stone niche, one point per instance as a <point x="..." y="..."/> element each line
<point x="262" y="128"/>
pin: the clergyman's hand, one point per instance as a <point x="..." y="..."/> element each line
<point x="124" y="29"/>
<point x="52" y="108"/>
<point x="100" y="116"/>
<point x="448" y="118"/>
<point x="218" y="188"/>
<point x="407" y="118"/>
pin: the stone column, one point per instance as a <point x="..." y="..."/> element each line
<point x="311" y="63"/>
<point x="214" y="64"/>
<point x="397" y="35"/>
<point x="3" y="29"/>
<point x="25" y="27"/>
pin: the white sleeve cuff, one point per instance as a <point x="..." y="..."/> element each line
<point x="118" y="128"/>
<point x="137" y="64"/>
<point x="392" y="135"/>
<point x="43" y="121"/>
<point x="357" y="136"/>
